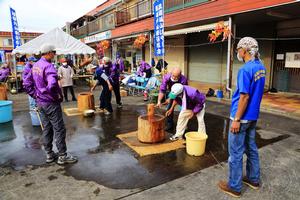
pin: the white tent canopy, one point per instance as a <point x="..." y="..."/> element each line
<point x="64" y="43"/>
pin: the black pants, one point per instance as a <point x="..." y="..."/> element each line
<point x="65" y="89"/>
<point x="116" y="88"/>
<point x="52" y="120"/>
<point x="170" y="122"/>
<point x="105" y="98"/>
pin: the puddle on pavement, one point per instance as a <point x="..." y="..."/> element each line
<point x="7" y="132"/>
<point x="105" y="159"/>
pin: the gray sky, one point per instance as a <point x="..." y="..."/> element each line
<point x="43" y="15"/>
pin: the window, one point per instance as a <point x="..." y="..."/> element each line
<point x="26" y="40"/>
<point x="7" y="42"/>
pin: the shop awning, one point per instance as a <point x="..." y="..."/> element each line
<point x="194" y="29"/>
<point x="130" y="36"/>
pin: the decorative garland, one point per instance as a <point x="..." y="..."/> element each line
<point x="140" y="41"/>
<point x="101" y="47"/>
<point x="105" y="44"/>
<point x="220" y="29"/>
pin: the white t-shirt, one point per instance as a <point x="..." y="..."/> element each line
<point x="66" y="74"/>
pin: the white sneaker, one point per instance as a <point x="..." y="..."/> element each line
<point x="107" y="113"/>
<point x="174" y="138"/>
<point x="100" y="110"/>
<point x="66" y="159"/>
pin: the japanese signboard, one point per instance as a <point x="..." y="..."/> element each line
<point x="98" y="37"/>
<point x="159" y="40"/>
<point x="15" y="29"/>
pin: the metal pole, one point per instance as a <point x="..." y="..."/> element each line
<point x="164" y="35"/>
<point x="228" y="80"/>
<point x="150" y="47"/>
<point x="15" y="67"/>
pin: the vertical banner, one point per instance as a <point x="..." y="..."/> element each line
<point x="15" y="29"/>
<point x="159" y="40"/>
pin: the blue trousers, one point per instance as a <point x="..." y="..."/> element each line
<point x="105" y="98"/>
<point x="238" y="144"/>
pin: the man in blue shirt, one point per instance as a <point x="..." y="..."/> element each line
<point x="105" y="96"/>
<point x="244" y="114"/>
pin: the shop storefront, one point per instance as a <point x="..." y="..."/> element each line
<point x="287" y="57"/>
<point x="131" y="54"/>
<point x="94" y="40"/>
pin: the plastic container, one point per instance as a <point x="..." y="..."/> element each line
<point x="220" y="94"/>
<point x="34" y="118"/>
<point x="195" y="143"/>
<point x="32" y="103"/>
<point x="5" y="111"/>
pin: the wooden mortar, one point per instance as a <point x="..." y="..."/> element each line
<point x="151" y="129"/>
<point x="85" y="101"/>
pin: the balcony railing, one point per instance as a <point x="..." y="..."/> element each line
<point x="102" y="24"/>
<point x="171" y="5"/>
<point x="133" y="13"/>
<point x="98" y="25"/>
<point x="80" y="32"/>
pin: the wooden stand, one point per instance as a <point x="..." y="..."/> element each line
<point x="151" y="129"/>
<point x="3" y="92"/>
<point x="85" y="101"/>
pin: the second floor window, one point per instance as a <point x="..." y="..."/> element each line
<point x="7" y="42"/>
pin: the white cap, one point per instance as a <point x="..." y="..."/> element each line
<point x="177" y="89"/>
<point x="247" y="43"/>
<point x="45" y="48"/>
<point x="106" y="59"/>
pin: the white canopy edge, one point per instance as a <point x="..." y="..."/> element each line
<point x="64" y="43"/>
<point x="194" y="29"/>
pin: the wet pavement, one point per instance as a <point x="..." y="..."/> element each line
<point x="105" y="159"/>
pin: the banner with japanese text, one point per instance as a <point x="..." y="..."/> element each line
<point x="15" y="29"/>
<point x="159" y="40"/>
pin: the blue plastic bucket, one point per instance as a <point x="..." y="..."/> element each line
<point x="32" y="103"/>
<point x="220" y="94"/>
<point x="5" y="111"/>
<point x="34" y="118"/>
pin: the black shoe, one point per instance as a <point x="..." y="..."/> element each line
<point x="51" y="157"/>
<point x="66" y="100"/>
<point x="74" y="99"/>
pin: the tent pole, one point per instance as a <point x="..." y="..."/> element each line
<point x="15" y="68"/>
